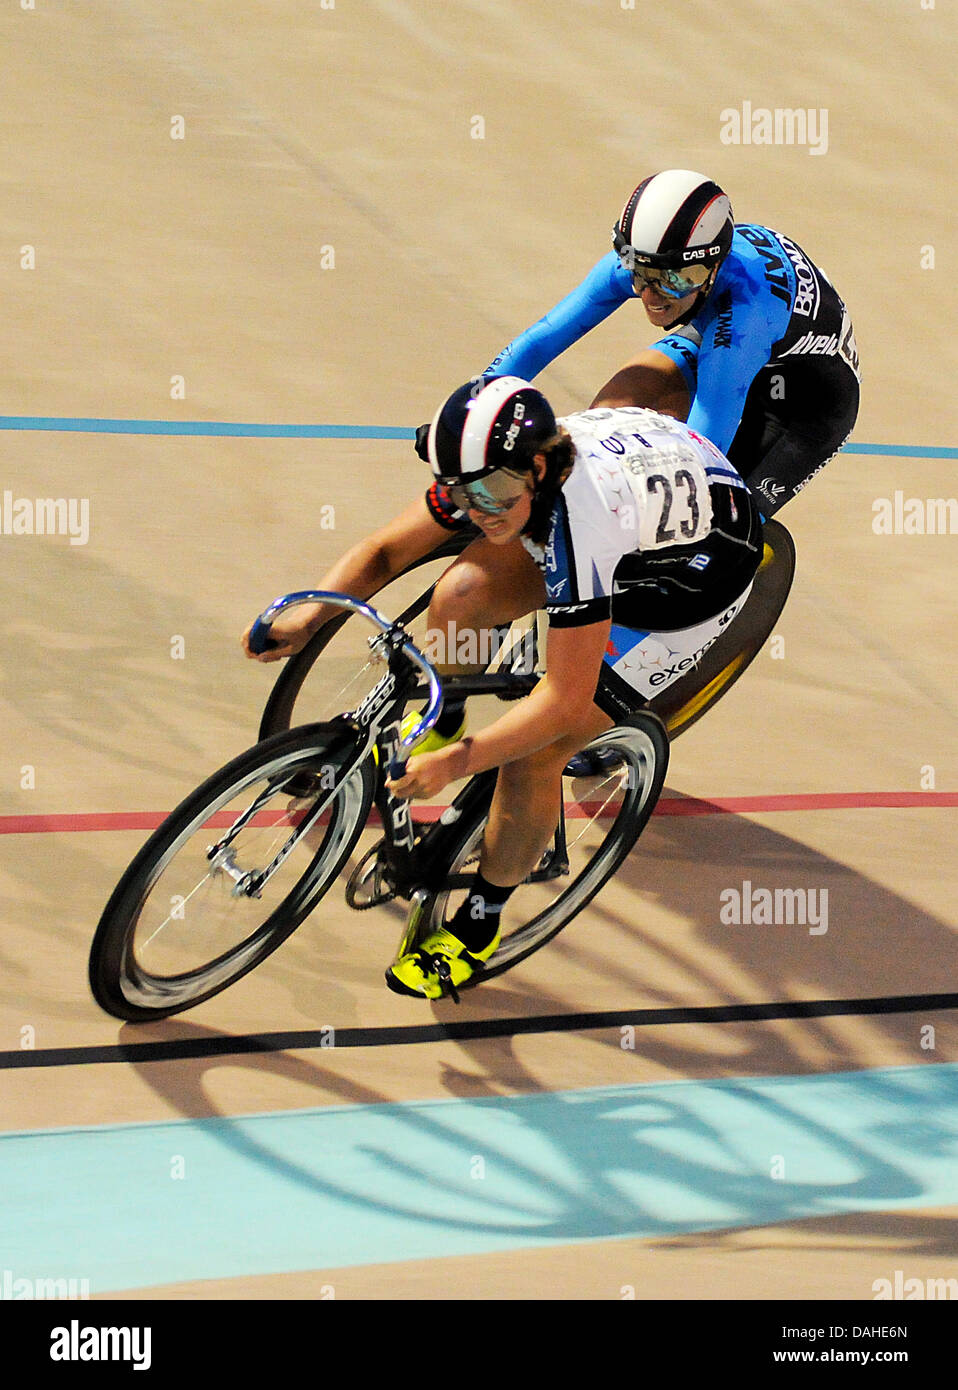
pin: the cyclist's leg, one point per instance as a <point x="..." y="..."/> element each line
<point x="487" y="587"/>
<point x="525" y="806"/>
<point x="780" y="447"/>
<point x="522" y="822"/>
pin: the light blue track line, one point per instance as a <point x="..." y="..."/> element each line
<point x="906" y="451"/>
<point x="239" y="430"/>
<point x="354" y="1185"/>
<point x="204" y="427"/>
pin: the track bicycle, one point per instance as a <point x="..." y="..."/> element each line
<point x="244" y="859"/>
<point x="195" y="912"/>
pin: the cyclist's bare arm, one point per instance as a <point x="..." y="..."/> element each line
<point x="361" y="573"/>
<point x="650" y="379"/>
<point x="560" y="710"/>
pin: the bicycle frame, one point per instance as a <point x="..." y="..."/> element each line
<point x="412" y="863"/>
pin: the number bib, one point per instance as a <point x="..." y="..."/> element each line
<point x="673" y="502"/>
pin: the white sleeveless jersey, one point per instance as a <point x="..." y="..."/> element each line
<point x="640" y="482"/>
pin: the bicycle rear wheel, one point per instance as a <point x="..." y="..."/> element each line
<point x="181" y="924"/>
<point x="604" y="816"/>
<point x="684" y="702"/>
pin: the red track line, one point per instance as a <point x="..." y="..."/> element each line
<point x="58" y="824"/>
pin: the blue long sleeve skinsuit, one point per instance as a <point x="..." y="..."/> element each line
<point x="770" y="310"/>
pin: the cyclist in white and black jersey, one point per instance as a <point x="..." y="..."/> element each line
<point x="635" y="535"/>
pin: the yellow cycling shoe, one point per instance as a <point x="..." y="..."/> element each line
<point x="437" y="967"/>
<point x="433" y="740"/>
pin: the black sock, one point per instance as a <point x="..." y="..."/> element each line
<point x="448" y="722"/>
<point x="476" y="921"/>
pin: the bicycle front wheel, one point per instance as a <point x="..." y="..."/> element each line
<point x="191" y="915"/>
<point x="603" y="817"/>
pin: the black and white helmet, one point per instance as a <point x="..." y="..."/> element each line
<point x="675" y="219"/>
<point x="488" y="424"/>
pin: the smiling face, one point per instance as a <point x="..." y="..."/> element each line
<point x="506" y="525"/>
<point x="662" y="310"/>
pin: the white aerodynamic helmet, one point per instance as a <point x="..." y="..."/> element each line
<point x="675" y="220"/>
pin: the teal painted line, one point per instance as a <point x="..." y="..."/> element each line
<point x="355" y="1185"/>
<point x="241" y="430"/>
<point x="907" y="451"/>
<point x="204" y="427"/>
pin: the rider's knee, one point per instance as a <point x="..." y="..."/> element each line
<point x="461" y="596"/>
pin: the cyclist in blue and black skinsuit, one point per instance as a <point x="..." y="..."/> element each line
<point x="759" y="353"/>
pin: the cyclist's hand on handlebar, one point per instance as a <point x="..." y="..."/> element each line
<point x="427" y="773"/>
<point x="291" y="631"/>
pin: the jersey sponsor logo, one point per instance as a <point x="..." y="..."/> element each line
<point x="678" y="668"/>
<point x="814" y="345"/>
<point x="848" y="348"/>
<point x="681" y="346"/>
<point x="770" y="489"/>
<point x="613" y="443"/>
<point x="723" y="323"/>
<point x="775" y="272"/>
<point x="554" y="590"/>
<point x="515" y="429"/>
<point x="814" y="474"/>
<point x="806" y="290"/>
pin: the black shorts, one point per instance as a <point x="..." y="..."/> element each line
<point x="665" y="590"/>
<point x="796" y="419"/>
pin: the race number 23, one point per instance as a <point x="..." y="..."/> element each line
<point x="678" y="507"/>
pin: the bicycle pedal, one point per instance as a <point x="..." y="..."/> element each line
<point x="445" y="979"/>
<point x="550" y="866"/>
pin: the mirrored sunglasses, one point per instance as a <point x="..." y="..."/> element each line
<point x="495" y="494"/>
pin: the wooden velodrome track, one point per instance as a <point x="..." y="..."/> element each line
<point x="324" y="239"/>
